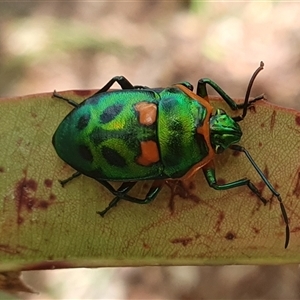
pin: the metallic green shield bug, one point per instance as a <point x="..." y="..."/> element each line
<point x="140" y="133"/>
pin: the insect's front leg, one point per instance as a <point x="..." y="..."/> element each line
<point x="202" y="92"/>
<point x="210" y="175"/>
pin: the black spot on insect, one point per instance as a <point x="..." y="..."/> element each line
<point x="110" y="113"/>
<point x="93" y="100"/>
<point x="176" y="127"/>
<point x="83" y="121"/>
<point x="174" y="144"/>
<point x="113" y="157"/>
<point x="97" y="136"/>
<point x="168" y="104"/>
<point x="86" y="153"/>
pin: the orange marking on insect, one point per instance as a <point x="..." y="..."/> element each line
<point x="204" y="130"/>
<point x="147" y="113"/>
<point x="150" y="153"/>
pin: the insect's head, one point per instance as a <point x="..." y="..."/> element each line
<point x="224" y="131"/>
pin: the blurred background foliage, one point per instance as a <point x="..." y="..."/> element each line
<point x="81" y="45"/>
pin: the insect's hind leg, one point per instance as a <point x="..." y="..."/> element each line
<point x="122" y="190"/>
<point x="65" y="181"/>
<point x="59" y="96"/>
<point x="123" y="82"/>
<point x="121" y="193"/>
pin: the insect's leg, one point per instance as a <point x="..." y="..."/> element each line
<point x="210" y="175"/>
<point x="187" y="85"/>
<point x="202" y="92"/>
<point x="152" y="193"/>
<point x="63" y="182"/>
<point x="121" y="80"/>
<point x="70" y="101"/>
<point x="122" y="190"/>
<point x="269" y="185"/>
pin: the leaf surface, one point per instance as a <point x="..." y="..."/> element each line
<point x="44" y="225"/>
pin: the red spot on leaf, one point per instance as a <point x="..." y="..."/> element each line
<point x="295" y="229"/>
<point x="20" y="220"/>
<point x="230" y="236"/>
<point x="24" y="194"/>
<point x="146" y="246"/>
<point x="52" y="197"/>
<point x="48" y="183"/>
<point x="221" y="181"/>
<point x="8" y="249"/>
<point x="1" y="170"/>
<point x="256" y="230"/>
<point x="182" y="189"/>
<point x="297" y="120"/>
<point x="236" y="153"/>
<point x="296" y="190"/>
<point x="30" y="184"/>
<point x="183" y="241"/>
<point x="219" y="221"/>
<point x="252" y="109"/>
<point x="43" y="204"/>
<point x="192" y="185"/>
<point x="273" y="118"/>
<point x="26" y="199"/>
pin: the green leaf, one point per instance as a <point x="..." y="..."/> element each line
<point x="44" y="225"/>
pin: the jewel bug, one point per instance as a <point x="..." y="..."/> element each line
<point x="160" y="134"/>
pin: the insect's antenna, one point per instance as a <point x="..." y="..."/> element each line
<point x="246" y="102"/>
<point x="271" y="188"/>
